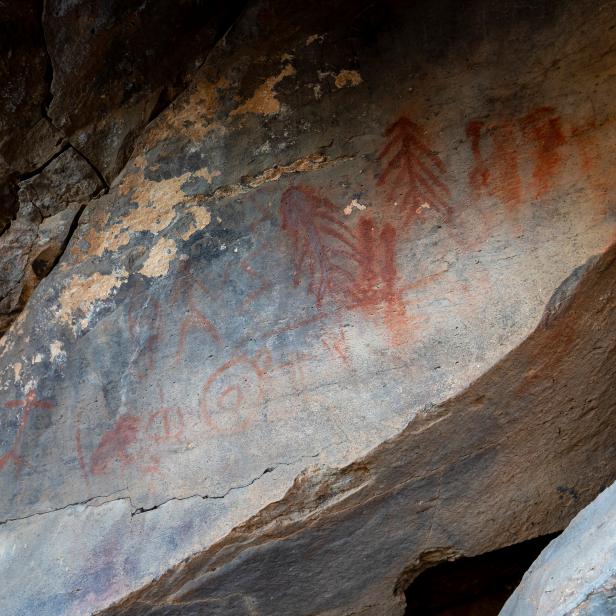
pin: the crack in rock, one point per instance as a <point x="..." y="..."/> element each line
<point x="139" y="510"/>
<point x="86" y="502"/>
<point x="269" y="469"/>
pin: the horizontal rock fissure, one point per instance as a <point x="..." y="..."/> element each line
<point x="269" y="469"/>
<point x="87" y="501"/>
<point x="141" y="510"/>
<point x="312" y="162"/>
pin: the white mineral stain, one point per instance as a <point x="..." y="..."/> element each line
<point x="354" y="205"/>
<point x="56" y="351"/>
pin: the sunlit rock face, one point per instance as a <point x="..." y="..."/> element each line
<point x="347" y="311"/>
<point x="576" y="573"/>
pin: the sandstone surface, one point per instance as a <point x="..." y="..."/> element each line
<point x="347" y="311"/>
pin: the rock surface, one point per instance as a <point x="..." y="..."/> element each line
<point x="89" y="74"/>
<point x="49" y="204"/>
<point x="347" y="311"/>
<point x="576" y="574"/>
<point x="130" y="59"/>
<point x="23" y="64"/>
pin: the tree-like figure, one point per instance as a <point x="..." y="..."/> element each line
<point x="412" y="172"/>
<point x="324" y="245"/>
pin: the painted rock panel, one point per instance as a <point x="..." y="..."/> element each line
<point x="345" y="221"/>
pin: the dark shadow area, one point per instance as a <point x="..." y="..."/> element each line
<point x="477" y="586"/>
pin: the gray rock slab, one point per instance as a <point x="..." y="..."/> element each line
<point x="576" y="573"/>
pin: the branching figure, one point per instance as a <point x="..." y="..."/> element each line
<point x="324" y="245"/>
<point x="412" y="172"/>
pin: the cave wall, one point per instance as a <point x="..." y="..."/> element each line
<point x="81" y="80"/>
<point x="576" y="573"/>
<point x="346" y="311"/>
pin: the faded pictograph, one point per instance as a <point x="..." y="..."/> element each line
<point x="17" y="415"/>
<point x="323" y="245"/>
<point x="134" y="441"/>
<point x="244" y="325"/>
<point x="503" y="148"/>
<point x="190" y="292"/>
<point x="232" y="397"/>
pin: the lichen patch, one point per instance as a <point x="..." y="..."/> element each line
<point x="348" y="79"/>
<point x="83" y="293"/>
<point x="207" y="175"/>
<point x="159" y="259"/>
<point x="156" y="209"/>
<point x="201" y="219"/>
<point x="264" y="101"/>
<point x="192" y="115"/>
<point x="149" y="193"/>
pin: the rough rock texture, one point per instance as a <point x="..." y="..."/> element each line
<point x="117" y="63"/>
<point x="92" y="74"/>
<point x="576" y="573"/>
<point x="347" y="311"/>
<point x="49" y="204"/>
<point x="27" y="139"/>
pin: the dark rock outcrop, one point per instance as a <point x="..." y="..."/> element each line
<point x="92" y="75"/>
<point x="49" y="203"/>
<point x="118" y="64"/>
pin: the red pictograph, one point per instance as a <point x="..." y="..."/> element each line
<point x="135" y="440"/>
<point x="479" y="175"/>
<point x="336" y="344"/>
<point x="115" y="445"/>
<point x="165" y="425"/>
<point x="498" y="150"/>
<point x="507" y="183"/>
<point x="323" y="245"/>
<point x="186" y="287"/>
<point x="233" y="395"/>
<point x="27" y="405"/>
<point x="543" y="128"/>
<point x="376" y="282"/>
<point x="355" y="267"/>
<point x="412" y="172"/>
